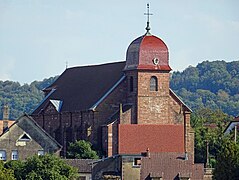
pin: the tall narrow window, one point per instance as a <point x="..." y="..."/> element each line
<point x="131" y="84"/>
<point x="14" y="155"/>
<point x="154" y="83"/>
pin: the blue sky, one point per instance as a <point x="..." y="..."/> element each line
<point x="37" y="37"/>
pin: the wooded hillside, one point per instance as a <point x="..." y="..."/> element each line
<point x="214" y="85"/>
<point x="22" y="98"/>
<point x="210" y="84"/>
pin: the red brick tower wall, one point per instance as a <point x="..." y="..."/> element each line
<point x="153" y="105"/>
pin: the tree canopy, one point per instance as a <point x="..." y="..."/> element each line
<point x="227" y="164"/>
<point x="22" y="98"/>
<point x="45" y="167"/>
<point x="210" y="84"/>
<point x="81" y="150"/>
<point x="6" y="174"/>
<point x="208" y="126"/>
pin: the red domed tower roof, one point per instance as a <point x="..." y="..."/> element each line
<point x="147" y="52"/>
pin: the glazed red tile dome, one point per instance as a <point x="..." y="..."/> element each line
<point x="147" y="52"/>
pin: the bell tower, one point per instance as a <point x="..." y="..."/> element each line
<point x="147" y="71"/>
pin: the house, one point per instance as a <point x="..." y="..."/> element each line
<point x="148" y="166"/>
<point x="233" y="126"/>
<point x="25" y="138"/>
<point x="84" y="167"/>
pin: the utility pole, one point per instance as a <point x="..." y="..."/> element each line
<point x="235" y="134"/>
<point x="207" y="163"/>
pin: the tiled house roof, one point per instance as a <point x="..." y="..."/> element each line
<point x="134" y="138"/>
<point x="9" y="123"/>
<point x="79" y="88"/>
<point x="83" y="165"/>
<point x="170" y="165"/>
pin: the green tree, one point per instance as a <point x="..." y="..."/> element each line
<point x="6" y="174"/>
<point x="81" y="150"/>
<point x="214" y="85"/>
<point x="22" y="98"/>
<point x="47" y="167"/>
<point x="227" y="164"/>
<point x="208" y="126"/>
<point x="17" y="166"/>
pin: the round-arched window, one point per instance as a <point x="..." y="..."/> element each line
<point x="154" y="83"/>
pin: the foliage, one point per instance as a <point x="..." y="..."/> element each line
<point x="23" y="98"/>
<point x="17" y="166"/>
<point x="208" y="126"/>
<point x="81" y="150"/>
<point x="5" y="174"/>
<point x="43" y="168"/>
<point x="227" y="164"/>
<point x="210" y="84"/>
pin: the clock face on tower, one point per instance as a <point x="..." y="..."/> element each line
<point x="155" y="61"/>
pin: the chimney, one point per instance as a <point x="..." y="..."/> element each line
<point x="147" y="153"/>
<point x="5" y="125"/>
<point x="5" y="112"/>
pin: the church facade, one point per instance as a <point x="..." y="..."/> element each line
<point x="122" y="107"/>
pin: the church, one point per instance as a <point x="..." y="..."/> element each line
<point x="128" y="112"/>
<point x="122" y="108"/>
<point x="109" y="103"/>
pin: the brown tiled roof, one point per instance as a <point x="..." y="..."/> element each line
<point x="170" y="165"/>
<point x="79" y="88"/>
<point x="134" y="138"/>
<point x="83" y="165"/>
<point x="10" y="122"/>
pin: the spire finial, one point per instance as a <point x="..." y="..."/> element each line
<point x="148" y="14"/>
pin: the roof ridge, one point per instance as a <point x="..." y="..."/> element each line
<point x="95" y="65"/>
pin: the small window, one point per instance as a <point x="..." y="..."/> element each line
<point x="24" y="137"/>
<point x="154" y="83"/>
<point x="131" y="84"/>
<point x="3" y="155"/>
<point x="156" y="178"/>
<point x="14" y="155"/>
<point x="137" y="161"/>
<point x="40" y="152"/>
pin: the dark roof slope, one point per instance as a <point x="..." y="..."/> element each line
<point x="83" y="165"/>
<point x="79" y="88"/>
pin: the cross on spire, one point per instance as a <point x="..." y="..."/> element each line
<point x="148" y="14"/>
